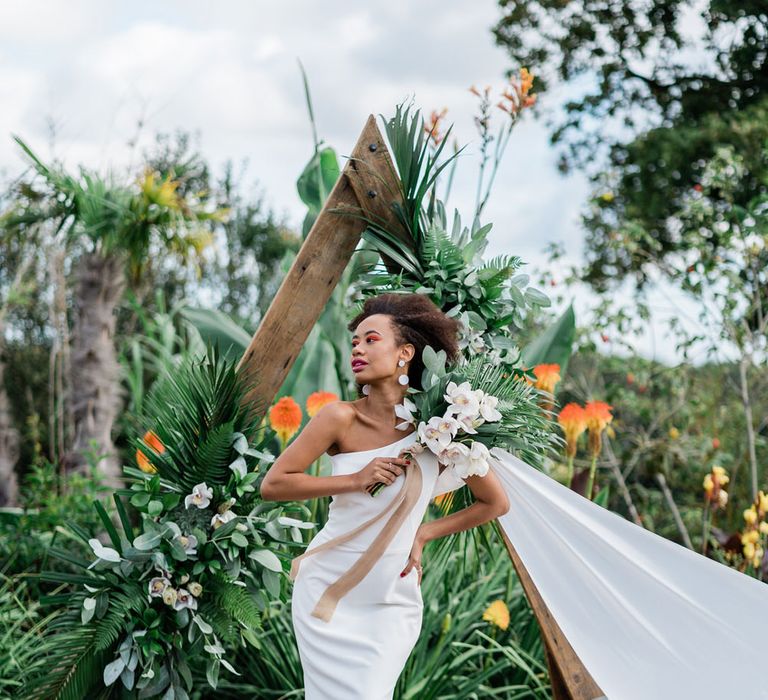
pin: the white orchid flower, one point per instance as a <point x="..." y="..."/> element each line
<point x="220" y="519"/>
<point x="416" y="448"/>
<point x="184" y="599"/>
<point x="476" y="343"/>
<point x="226" y="505"/>
<point x="478" y="458"/>
<point x="188" y="543"/>
<point x="104" y="553"/>
<point x="455" y="455"/>
<point x="462" y="400"/>
<point x="406" y="411"/>
<point x="201" y="496"/>
<point x="157" y="586"/>
<point x="468" y="423"/>
<point x="488" y="408"/>
<point x="431" y="435"/>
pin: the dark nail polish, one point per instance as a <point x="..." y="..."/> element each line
<point x="402" y="573"/>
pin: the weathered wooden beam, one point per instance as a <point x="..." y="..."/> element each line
<point x="570" y="679"/>
<point x="368" y="185"/>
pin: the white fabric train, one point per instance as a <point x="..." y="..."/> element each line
<point x="649" y="619"/>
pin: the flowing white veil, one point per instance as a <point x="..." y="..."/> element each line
<point x="649" y="618"/>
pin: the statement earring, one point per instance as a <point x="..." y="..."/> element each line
<point x="403" y="378"/>
<point x="366" y="389"/>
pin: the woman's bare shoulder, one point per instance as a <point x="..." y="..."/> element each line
<point x="341" y="412"/>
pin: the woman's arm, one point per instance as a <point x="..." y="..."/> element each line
<point x="286" y="480"/>
<point x="491" y="502"/>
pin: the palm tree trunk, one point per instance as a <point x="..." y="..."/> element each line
<point x="96" y="389"/>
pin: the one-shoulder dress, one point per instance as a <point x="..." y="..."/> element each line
<point x="356" y="620"/>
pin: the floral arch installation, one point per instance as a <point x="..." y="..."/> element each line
<point x="367" y="188"/>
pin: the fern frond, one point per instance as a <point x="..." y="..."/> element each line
<point x="238" y="603"/>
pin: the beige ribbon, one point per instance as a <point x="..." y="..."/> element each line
<point x="403" y="503"/>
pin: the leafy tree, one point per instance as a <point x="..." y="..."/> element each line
<point x="652" y="119"/>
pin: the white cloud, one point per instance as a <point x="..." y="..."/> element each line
<point x="229" y="71"/>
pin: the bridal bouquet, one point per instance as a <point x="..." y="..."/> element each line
<point x="461" y="414"/>
<point x="448" y="435"/>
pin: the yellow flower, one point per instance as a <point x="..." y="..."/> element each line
<point x="763" y="528"/>
<point x="750" y="536"/>
<point x="497" y="614"/>
<point x="750" y="516"/>
<point x="674" y="433"/>
<point x="713" y="483"/>
<point x="762" y="502"/>
<point x="749" y="550"/>
<point x="318" y="399"/>
<point x="285" y="418"/>
<point x="607" y="196"/>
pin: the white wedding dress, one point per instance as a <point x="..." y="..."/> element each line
<point x="357" y="643"/>
<point x="649" y="619"/>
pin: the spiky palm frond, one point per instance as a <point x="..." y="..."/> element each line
<point x="417" y="168"/>
<point x="194" y="411"/>
<point x="69" y="663"/>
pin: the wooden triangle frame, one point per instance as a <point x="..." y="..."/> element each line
<point x="368" y="184"/>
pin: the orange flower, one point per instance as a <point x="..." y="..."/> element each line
<point x="285" y="418"/>
<point x="144" y="464"/>
<point x="519" y="99"/>
<point x="598" y="415"/>
<point x="573" y="420"/>
<point x="433" y="128"/>
<point x="151" y="440"/>
<point x="547" y="376"/>
<point x="318" y="399"/>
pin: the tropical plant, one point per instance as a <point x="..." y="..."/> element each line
<point x="446" y="264"/>
<point x="114" y="229"/>
<point x="193" y="576"/>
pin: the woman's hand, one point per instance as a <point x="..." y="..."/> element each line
<point x="414" y="558"/>
<point x="380" y="469"/>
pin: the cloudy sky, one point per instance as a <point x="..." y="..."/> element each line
<point x="90" y="71"/>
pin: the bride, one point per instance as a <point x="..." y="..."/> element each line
<point x="648" y="618"/>
<point x="357" y="606"/>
